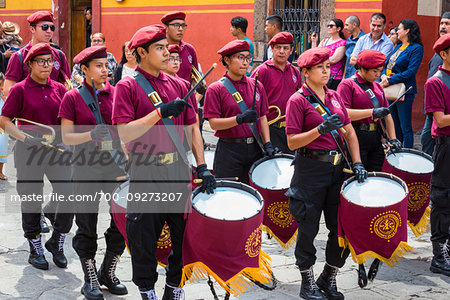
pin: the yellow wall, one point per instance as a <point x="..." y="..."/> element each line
<point x="25" y="5"/>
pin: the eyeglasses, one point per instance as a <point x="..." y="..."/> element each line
<point x="243" y="58"/>
<point x="45" y="27"/>
<point x="41" y="62"/>
<point x="177" y="60"/>
<point x="330" y="25"/>
<point x="179" y="25"/>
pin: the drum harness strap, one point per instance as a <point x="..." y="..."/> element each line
<point x="92" y="104"/>
<point x="242" y="106"/>
<point x="168" y="122"/>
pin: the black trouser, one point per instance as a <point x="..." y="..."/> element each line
<point x="440" y="194"/>
<point x="32" y="164"/>
<point x="144" y="228"/>
<point x="315" y="188"/>
<point x="279" y="139"/>
<point x="235" y="159"/>
<point x="371" y="149"/>
<point x="90" y="181"/>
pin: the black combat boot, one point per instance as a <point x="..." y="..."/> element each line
<point x="37" y="258"/>
<point x="55" y="245"/>
<point x="148" y="294"/>
<point x="327" y="282"/>
<point x="309" y="288"/>
<point x="441" y="258"/>
<point x="44" y="225"/>
<point x="107" y="276"/>
<point x="173" y="293"/>
<point x="91" y="288"/>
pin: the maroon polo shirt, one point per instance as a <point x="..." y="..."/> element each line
<point x="301" y="116"/>
<point x="437" y="99"/>
<point x="279" y="85"/>
<point x="132" y="103"/>
<point x="34" y="101"/>
<point x="189" y="59"/>
<point x="17" y="71"/>
<point x="354" y="97"/>
<point x="192" y="100"/>
<point x="220" y="104"/>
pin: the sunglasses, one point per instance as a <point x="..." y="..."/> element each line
<point x="330" y="25"/>
<point x="45" y="27"/>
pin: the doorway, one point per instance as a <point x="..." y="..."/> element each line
<point x="78" y="27"/>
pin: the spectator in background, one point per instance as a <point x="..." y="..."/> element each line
<point x="336" y="43"/>
<point x="11" y="31"/>
<point x="98" y="39"/>
<point x="3" y="135"/>
<point x="352" y="26"/>
<point x="5" y="49"/>
<point x="239" y="30"/>
<point x="127" y="64"/>
<point x="88" y="16"/>
<point x="394" y="36"/>
<point x="401" y="67"/>
<point x="274" y="25"/>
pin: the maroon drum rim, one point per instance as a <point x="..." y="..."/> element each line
<point x="413" y="151"/>
<point x="260" y="161"/>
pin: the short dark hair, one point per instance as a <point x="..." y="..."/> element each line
<point x="136" y="54"/>
<point x="354" y="20"/>
<point x="378" y="16"/>
<point x="446" y="15"/>
<point x="275" y="20"/>
<point x="240" y="22"/>
<point x="124" y="59"/>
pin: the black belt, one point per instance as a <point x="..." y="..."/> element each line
<point x="366" y="126"/>
<point x="331" y="156"/>
<point x="249" y="140"/>
<point x="281" y="124"/>
<point x="442" y="139"/>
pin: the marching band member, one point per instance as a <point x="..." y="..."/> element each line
<point x="318" y="174"/>
<point x="437" y="103"/>
<point x="37" y="98"/>
<point x="144" y="124"/>
<point x="238" y="124"/>
<point x="80" y="107"/>
<point x="280" y="80"/>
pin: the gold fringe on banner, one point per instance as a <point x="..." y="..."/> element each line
<point x="401" y="250"/>
<point x="286" y="245"/>
<point x="421" y="226"/>
<point x="236" y="285"/>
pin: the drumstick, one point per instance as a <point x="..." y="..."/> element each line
<point x="227" y="178"/>
<point x="199" y="82"/>
<point x="396" y="100"/>
<point x="348" y="171"/>
<point x="122" y="178"/>
<point x="254" y="91"/>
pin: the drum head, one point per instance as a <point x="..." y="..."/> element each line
<point x="412" y="161"/>
<point x="273" y="173"/>
<point x="230" y="201"/>
<point x="209" y="159"/>
<point x="378" y="190"/>
<point x="122" y="191"/>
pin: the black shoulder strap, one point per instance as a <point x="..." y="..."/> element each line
<point x="20" y="58"/>
<point x="89" y="100"/>
<point x="444" y="77"/>
<point x="369" y="92"/>
<point x="61" y="58"/>
<point x="168" y="122"/>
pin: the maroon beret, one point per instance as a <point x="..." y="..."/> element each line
<point x="146" y="35"/>
<point x="38" y="49"/>
<point x="370" y="59"/>
<point x="173" y="15"/>
<point x="234" y="47"/>
<point x="89" y="54"/>
<point x="42" y="15"/>
<point x="442" y="43"/>
<point x="313" y="56"/>
<point x="281" y="38"/>
<point x="174" y="48"/>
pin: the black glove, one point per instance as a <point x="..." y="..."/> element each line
<point x="396" y="145"/>
<point x="34" y="141"/>
<point x="380" y="112"/>
<point x="269" y="149"/>
<point x="173" y="108"/>
<point x="331" y="123"/>
<point x="209" y="181"/>
<point x="248" y="116"/>
<point x="360" y="172"/>
<point x="99" y="132"/>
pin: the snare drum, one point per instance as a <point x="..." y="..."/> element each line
<point x="223" y="237"/>
<point x="372" y="218"/>
<point x="415" y="168"/>
<point x="271" y="176"/>
<point x="119" y="209"/>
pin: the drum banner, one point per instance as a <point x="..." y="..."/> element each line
<point x="378" y="232"/>
<point x="229" y="251"/>
<point x="419" y="197"/>
<point x="278" y="221"/>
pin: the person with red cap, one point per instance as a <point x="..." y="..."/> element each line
<point x="318" y="174"/>
<point x="437" y="103"/>
<point x="238" y="124"/>
<point x="150" y="116"/>
<point x="280" y="80"/>
<point x="85" y="115"/>
<point x="37" y="99"/>
<point x="42" y="29"/>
